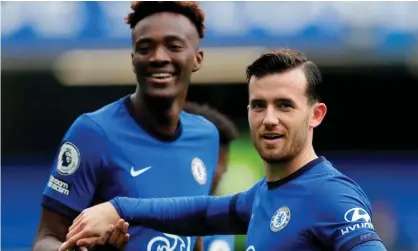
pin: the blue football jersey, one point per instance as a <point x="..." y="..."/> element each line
<point x="315" y="208"/>
<point x="218" y="243"/>
<point x="106" y="154"/>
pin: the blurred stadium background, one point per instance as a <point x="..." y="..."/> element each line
<point x="60" y="59"/>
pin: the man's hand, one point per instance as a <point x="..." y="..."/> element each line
<point x="92" y="225"/>
<point x="117" y="236"/>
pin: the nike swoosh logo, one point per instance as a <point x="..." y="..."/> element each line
<point x="138" y="172"/>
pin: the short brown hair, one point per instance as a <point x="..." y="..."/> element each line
<point x="226" y="128"/>
<point x="282" y="60"/>
<point x="189" y="9"/>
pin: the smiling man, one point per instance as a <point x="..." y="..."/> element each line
<point x="142" y="145"/>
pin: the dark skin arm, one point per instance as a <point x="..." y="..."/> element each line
<point x="199" y="244"/>
<point x="52" y="231"/>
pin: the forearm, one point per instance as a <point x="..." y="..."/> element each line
<point x="191" y="216"/>
<point x="199" y="244"/>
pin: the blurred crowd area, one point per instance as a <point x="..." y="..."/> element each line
<point x="61" y="59"/>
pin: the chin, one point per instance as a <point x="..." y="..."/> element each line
<point x="167" y="93"/>
<point x="273" y="156"/>
<point x="274" y="159"/>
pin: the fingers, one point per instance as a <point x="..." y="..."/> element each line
<point x="75" y="228"/>
<point x="97" y="240"/>
<point x="104" y="237"/>
<point x="83" y="249"/>
<point x="118" y="229"/>
<point x="83" y="234"/>
<point x="76" y="221"/>
<point x="125" y="227"/>
<point x="86" y="242"/>
<point x="66" y="246"/>
<point x="120" y="236"/>
<point x="124" y="236"/>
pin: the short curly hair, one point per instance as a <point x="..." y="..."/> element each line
<point x="227" y="129"/>
<point x="189" y="9"/>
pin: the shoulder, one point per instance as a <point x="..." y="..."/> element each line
<point x="107" y="114"/>
<point x="342" y="214"/>
<point x="250" y="194"/>
<point x="199" y="125"/>
<point x="337" y="195"/>
<point x="335" y="184"/>
<point x="84" y="126"/>
<point x="97" y="122"/>
<point x="89" y="130"/>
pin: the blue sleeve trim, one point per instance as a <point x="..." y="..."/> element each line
<point x="234" y="214"/>
<point x="59" y="207"/>
<point x="115" y="204"/>
<point x="359" y="239"/>
<point x="370" y="246"/>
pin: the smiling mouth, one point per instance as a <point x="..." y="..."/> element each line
<point x="272" y="136"/>
<point x="160" y="75"/>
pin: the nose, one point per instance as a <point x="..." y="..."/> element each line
<point x="159" y="57"/>
<point x="271" y="118"/>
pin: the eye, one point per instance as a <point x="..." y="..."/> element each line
<point x="255" y="105"/>
<point x="174" y="47"/>
<point x="143" y="49"/>
<point x="285" y="106"/>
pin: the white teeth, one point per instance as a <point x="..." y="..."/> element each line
<point x="161" y="75"/>
<point x="272" y="136"/>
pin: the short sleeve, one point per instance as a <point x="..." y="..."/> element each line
<point x="76" y="169"/>
<point x="344" y="215"/>
<point x="218" y="243"/>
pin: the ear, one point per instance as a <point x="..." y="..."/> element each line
<point x="319" y="110"/>
<point x="198" y="60"/>
<point x="132" y="60"/>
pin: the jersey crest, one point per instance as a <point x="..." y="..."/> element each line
<point x="280" y="219"/>
<point x="199" y="171"/>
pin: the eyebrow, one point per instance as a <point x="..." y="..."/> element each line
<point x="166" y="38"/>
<point x="287" y="100"/>
<point x="256" y="100"/>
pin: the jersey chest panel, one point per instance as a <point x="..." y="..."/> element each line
<point x="149" y="170"/>
<point x="278" y="224"/>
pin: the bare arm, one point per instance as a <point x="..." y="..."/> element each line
<point x="199" y="244"/>
<point x="52" y="231"/>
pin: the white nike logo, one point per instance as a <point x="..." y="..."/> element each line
<point x="139" y="172"/>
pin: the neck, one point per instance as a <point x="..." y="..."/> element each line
<point x="278" y="171"/>
<point x="160" y="115"/>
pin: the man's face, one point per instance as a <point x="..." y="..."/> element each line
<point x="280" y="117"/>
<point x="165" y="53"/>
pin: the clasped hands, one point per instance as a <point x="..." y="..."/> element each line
<point x="97" y="225"/>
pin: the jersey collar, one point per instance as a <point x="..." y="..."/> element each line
<point x="308" y="166"/>
<point x="130" y="108"/>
